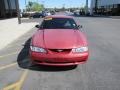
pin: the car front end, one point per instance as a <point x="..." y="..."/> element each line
<point x="59" y="42"/>
<point x="59" y="57"/>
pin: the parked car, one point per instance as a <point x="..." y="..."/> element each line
<point x="37" y="15"/>
<point x="47" y="13"/>
<point x="59" y="42"/>
<point x="52" y="12"/>
<point x="76" y="12"/>
<point x="27" y="14"/>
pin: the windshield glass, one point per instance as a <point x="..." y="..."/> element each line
<point x="59" y="23"/>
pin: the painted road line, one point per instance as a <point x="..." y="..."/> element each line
<point x="7" y="66"/>
<point x="17" y="85"/>
<point x="8" y="55"/>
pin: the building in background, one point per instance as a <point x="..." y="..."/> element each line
<point x="105" y="7"/>
<point x="8" y="8"/>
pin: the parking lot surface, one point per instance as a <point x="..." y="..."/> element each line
<point x="101" y="72"/>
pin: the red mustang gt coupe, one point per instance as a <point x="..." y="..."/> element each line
<point x="58" y="42"/>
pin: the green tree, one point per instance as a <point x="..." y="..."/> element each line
<point x="34" y="6"/>
<point x="37" y="7"/>
<point x="29" y="6"/>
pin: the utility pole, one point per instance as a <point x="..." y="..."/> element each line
<point x="96" y="6"/>
<point x="63" y="7"/>
<point x="25" y="5"/>
<point x="18" y="11"/>
<point x="86" y="7"/>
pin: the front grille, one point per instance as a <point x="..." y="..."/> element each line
<point x="60" y="50"/>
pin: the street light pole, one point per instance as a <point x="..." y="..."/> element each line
<point x="86" y="7"/>
<point x="18" y="11"/>
<point x="96" y="6"/>
<point x="25" y="5"/>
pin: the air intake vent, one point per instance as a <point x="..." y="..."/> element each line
<point x="60" y="50"/>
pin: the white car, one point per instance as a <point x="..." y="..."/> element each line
<point x="47" y="13"/>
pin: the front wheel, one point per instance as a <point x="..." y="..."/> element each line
<point x="74" y="66"/>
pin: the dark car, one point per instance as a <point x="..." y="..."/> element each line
<point x="52" y="12"/>
<point x="37" y="15"/>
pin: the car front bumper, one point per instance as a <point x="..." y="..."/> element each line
<point x="59" y="59"/>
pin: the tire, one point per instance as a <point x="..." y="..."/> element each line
<point x="74" y="66"/>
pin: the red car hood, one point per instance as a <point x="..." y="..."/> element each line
<point x="59" y="39"/>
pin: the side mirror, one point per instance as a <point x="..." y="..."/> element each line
<point x="80" y="26"/>
<point x="37" y="26"/>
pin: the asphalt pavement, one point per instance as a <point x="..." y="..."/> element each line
<point x="101" y="72"/>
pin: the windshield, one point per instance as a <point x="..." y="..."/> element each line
<point x="59" y="23"/>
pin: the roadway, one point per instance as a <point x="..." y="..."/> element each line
<point x="101" y="72"/>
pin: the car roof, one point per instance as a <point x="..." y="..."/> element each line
<point x="58" y="16"/>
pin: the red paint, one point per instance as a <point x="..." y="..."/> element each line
<point x="59" y="39"/>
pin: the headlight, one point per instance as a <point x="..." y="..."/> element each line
<point x="80" y="50"/>
<point x="37" y="49"/>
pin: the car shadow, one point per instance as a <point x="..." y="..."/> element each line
<point x="23" y="61"/>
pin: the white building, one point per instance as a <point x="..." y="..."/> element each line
<point x="106" y="7"/>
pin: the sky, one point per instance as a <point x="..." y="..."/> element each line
<point x="57" y="3"/>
